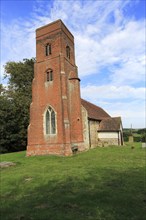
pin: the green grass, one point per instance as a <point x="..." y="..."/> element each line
<point x="101" y="184"/>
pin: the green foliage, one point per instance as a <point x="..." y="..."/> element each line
<point x="141" y="131"/>
<point x="104" y="183"/>
<point x="143" y="138"/>
<point x="15" y="101"/>
<point x="138" y="134"/>
<point x="137" y="138"/>
<point x="126" y="135"/>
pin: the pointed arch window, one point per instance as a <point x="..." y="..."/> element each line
<point x="68" y="52"/>
<point x="49" y="75"/>
<point x="48" y="49"/>
<point x="50" y="121"/>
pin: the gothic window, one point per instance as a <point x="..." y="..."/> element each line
<point x="50" y="121"/>
<point x="48" y="49"/>
<point x="68" y="52"/>
<point x="49" y="75"/>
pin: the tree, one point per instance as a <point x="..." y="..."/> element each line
<point x="15" y="101"/>
<point x="143" y="139"/>
<point x="126" y="134"/>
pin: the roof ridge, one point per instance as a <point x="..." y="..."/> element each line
<point x="96" y="106"/>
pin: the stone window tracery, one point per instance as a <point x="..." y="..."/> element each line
<point x="50" y="121"/>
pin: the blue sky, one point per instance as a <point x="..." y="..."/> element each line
<point x="110" y="39"/>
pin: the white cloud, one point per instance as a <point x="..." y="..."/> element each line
<point x="132" y="112"/>
<point x="18" y="42"/>
<point x="105" y="38"/>
<point x="131" y="72"/>
<point x="99" y="42"/>
<point x="120" y="51"/>
<point x="108" y="92"/>
<point x="125" y="101"/>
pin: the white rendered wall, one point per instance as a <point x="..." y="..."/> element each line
<point x="107" y="135"/>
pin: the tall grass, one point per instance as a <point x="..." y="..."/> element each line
<point x="101" y="184"/>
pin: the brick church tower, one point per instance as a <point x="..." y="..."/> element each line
<point x="55" y="112"/>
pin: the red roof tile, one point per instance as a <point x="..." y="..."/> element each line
<point x="94" y="112"/>
<point x="110" y="124"/>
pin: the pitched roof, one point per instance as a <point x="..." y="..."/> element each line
<point x="94" y="112"/>
<point x="110" y="124"/>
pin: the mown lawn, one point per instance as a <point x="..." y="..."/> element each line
<point x="101" y="184"/>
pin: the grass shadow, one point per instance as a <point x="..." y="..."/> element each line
<point x="103" y="194"/>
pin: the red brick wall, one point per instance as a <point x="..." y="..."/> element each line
<point x="62" y="94"/>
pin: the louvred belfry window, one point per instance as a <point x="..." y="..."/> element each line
<point x="68" y="52"/>
<point x="48" y="49"/>
<point x="49" y="75"/>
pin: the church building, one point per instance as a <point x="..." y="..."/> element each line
<point x="61" y="123"/>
